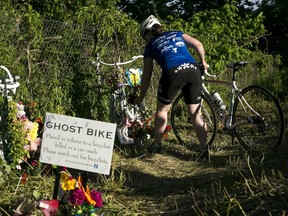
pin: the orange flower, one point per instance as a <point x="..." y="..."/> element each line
<point x="39" y="120"/>
<point x="86" y="192"/>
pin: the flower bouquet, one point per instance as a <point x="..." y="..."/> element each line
<point x="145" y="130"/>
<point x="81" y="201"/>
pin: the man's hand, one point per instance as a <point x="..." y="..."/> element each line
<point x="205" y="65"/>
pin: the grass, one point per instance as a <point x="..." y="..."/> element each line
<point x="172" y="183"/>
<point x="229" y="185"/>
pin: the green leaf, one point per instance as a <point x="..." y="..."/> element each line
<point x="37" y="195"/>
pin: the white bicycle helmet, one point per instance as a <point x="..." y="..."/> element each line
<point x="148" y="23"/>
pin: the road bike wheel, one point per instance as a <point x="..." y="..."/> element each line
<point x="182" y="124"/>
<point x="261" y="125"/>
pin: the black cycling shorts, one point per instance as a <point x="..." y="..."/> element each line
<point x="186" y="77"/>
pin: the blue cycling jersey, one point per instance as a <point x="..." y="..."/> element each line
<point x="169" y="50"/>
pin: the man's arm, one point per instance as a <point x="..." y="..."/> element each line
<point x="197" y="45"/>
<point x="146" y="79"/>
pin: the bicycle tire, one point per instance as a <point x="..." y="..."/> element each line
<point x="115" y="109"/>
<point x="265" y="131"/>
<point x="118" y="116"/>
<point x="182" y="125"/>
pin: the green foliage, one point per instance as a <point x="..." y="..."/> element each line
<point x="229" y="36"/>
<point x="8" y="49"/>
<point x="64" y="9"/>
<point x="15" y="136"/>
<point x="275" y="21"/>
<point x="54" y="58"/>
<point x="114" y="40"/>
<point x="112" y="24"/>
<point x="164" y="8"/>
<point x="225" y="34"/>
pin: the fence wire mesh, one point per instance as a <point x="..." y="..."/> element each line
<point x="54" y="60"/>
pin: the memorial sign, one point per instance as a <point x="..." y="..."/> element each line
<point x="78" y="143"/>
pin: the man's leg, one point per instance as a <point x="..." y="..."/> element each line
<point x="160" y="123"/>
<point x="198" y="124"/>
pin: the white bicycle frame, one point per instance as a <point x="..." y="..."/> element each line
<point x="235" y="91"/>
<point x="8" y="83"/>
<point x="121" y="87"/>
<point x="131" y="114"/>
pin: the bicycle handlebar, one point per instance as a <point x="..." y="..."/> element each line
<point x="8" y="82"/>
<point x="98" y="61"/>
<point x="205" y="71"/>
<point x="8" y="72"/>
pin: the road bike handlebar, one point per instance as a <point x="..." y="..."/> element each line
<point x="205" y="71"/>
<point x="8" y="82"/>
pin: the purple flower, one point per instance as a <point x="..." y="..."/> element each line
<point x="96" y="196"/>
<point x="77" y="197"/>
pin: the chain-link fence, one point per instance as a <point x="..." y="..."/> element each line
<point x="54" y="60"/>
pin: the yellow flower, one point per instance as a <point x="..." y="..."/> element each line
<point x="34" y="130"/>
<point x="69" y="185"/>
<point x="64" y="176"/>
<point x="67" y="182"/>
<point x="31" y="128"/>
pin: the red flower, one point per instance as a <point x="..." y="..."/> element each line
<point x="77" y="197"/>
<point x="96" y="196"/>
<point x="168" y="128"/>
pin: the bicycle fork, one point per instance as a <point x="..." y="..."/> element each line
<point x="248" y="119"/>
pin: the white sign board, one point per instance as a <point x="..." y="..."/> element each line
<point x="78" y="143"/>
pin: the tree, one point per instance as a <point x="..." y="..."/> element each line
<point x="140" y="9"/>
<point x="64" y="9"/>
<point x="276" y="13"/>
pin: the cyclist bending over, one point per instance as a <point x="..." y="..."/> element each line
<point x="179" y="71"/>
